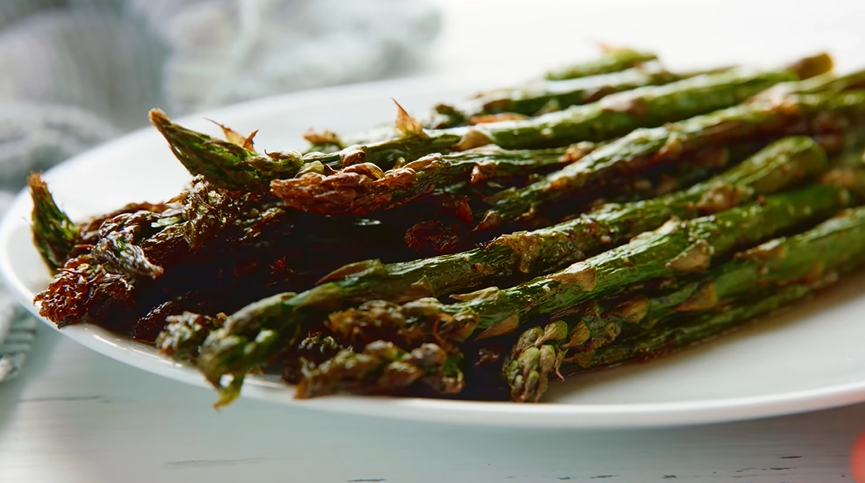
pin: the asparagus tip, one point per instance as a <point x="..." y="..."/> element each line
<point x="159" y="119"/>
<point x="54" y="234"/>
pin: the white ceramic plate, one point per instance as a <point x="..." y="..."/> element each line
<point x="810" y="359"/>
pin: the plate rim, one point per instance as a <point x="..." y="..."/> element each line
<point x="502" y="414"/>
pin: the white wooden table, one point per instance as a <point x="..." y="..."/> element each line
<point x="76" y="416"/>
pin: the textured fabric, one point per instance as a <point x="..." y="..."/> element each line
<point x="233" y="50"/>
<point x="16" y="343"/>
<point x="77" y="73"/>
<point x="17" y="327"/>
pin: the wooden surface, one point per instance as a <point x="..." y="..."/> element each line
<point x="76" y="416"/>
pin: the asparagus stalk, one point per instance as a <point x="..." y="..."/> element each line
<point x="363" y="189"/>
<point x="232" y="166"/>
<point x="142" y="266"/>
<point x="590" y="336"/>
<point x="805" y="114"/>
<point x="549" y="95"/>
<point x="614" y="60"/>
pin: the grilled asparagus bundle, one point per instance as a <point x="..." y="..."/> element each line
<point x="617" y="211"/>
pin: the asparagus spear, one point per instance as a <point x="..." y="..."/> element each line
<point x="543" y="96"/>
<point x="231" y="166"/>
<point x="642" y="148"/>
<point x="612" y="61"/>
<point x="59" y="238"/>
<point x="590" y="335"/>
<point x="676" y="330"/>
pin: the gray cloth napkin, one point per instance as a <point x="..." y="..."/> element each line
<point x="77" y="73"/>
